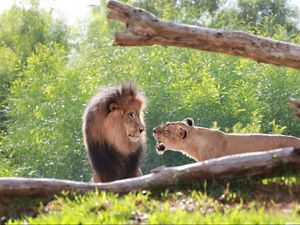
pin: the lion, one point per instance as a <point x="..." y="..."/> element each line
<point x="201" y="143"/>
<point x="114" y="132"/>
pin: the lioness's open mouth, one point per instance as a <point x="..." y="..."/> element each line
<point x="160" y="147"/>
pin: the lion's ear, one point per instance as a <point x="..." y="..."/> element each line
<point x="182" y="132"/>
<point x="113" y="107"/>
<point x="188" y="121"/>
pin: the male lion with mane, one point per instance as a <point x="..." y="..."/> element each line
<point x="201" y="143"/>
<point x="114" y="136"/>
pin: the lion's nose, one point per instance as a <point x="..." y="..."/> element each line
<point x="141" y="130"/>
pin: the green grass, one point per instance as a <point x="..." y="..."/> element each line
<point x="267" y="201"/>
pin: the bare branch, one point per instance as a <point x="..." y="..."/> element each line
<point x="143" y="28"/>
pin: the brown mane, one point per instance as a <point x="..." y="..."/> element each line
<point x="104" y="132"/>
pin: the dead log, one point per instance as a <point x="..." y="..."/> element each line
<point x="295" y="103"/>
<point x="235" y="166"/>
<point x="143" y="28"/>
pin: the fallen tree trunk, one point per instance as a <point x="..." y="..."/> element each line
<point x="143" y="28"/>
<point x="235" y="166"/>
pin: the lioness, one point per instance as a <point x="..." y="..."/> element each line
<point x="202" y="143"/>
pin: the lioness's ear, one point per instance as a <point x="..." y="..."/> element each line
<point x="113" y="107"/>
<point x="188" y="121"/>
<point x="182" y="132"/>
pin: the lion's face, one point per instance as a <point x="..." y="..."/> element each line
<point x="127" y="117"/>
<point x="133" y="125"/>
<point x="172" y="135"/>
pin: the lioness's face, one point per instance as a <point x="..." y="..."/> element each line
<point x="172" y="135"/>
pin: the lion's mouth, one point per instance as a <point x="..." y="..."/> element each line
<point x="160" y="148"/>
<point x="134" y="138"/>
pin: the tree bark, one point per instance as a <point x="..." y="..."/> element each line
<point x="235" y="166"/>
<point x="143" y="28"/>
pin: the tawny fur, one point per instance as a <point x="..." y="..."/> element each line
<point x="114" y="136"/>
<point x="202" y="143"/>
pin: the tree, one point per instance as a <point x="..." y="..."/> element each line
<point x="277" y="12"/>
<point x="187" y="11"/>
<point x="21" y="30"/>
<point x="143" y="28"/>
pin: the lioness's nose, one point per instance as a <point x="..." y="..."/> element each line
<point x="141" y="130"/>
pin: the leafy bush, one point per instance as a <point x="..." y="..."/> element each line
<point x="47" y="101"/>
<point x="21" y="30"/>
<point x="44" y="136"/>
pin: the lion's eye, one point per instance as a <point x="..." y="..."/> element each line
<point x="167" y="131"/>
<point x="131" y="114"/>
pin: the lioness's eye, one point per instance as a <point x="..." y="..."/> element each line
<point x="167" y="131"/>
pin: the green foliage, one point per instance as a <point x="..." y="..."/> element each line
<point x="253" y="127"/>
<point x="44" y="123"/>
<point x="21" y="30"/>
<point x="47" y="99"/>
<point x="9" y="60"/>
<point x="185" y="11"/>
<point x="259" y="13"/>
<point x="45" y="86"/>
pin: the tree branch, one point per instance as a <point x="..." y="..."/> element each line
<point x="143" y="28"/>
<point x="235" y="166"/>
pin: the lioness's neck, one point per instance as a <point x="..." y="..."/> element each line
<point x="201" y="141"/>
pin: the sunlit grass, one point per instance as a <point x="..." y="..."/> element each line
<point x="189" y="207"/>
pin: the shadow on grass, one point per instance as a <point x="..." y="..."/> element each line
<point x="283" y="187"/>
